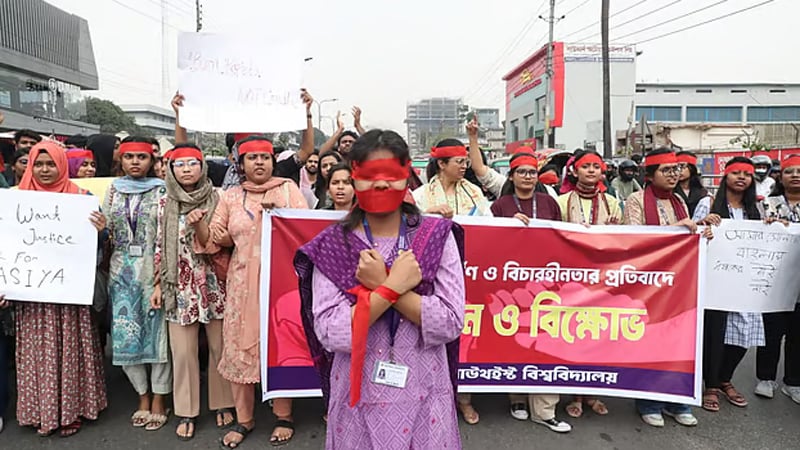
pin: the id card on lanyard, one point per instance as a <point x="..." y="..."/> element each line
<point x="391" y="373"/>
<point x="132" y="214"/>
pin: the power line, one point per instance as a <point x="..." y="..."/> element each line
<point x="642" y="16"/>
<point x="682" y="16"/>
<point x="595" y="23"/>
<point x="156" y="19"/>
<point x="706" y="22"/>
<point x="576" y="8"/>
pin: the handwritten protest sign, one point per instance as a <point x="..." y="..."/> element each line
<point x="48" y="247"/>
<point x="752" y="267"/>
<point x="235" y="83"/>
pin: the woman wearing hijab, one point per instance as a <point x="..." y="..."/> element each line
<point x="236" y="223"/>
<point x="60" y="377"/>
<point x="139" y="331"/>
<point x="104" y="148"/>
<point x="191" y="292"/>
<point x="447" y="192"/>
<point x="728" y="335"/>
<point x="588" y="203"/>
<point x="81" y="163"/>
<point x="690" y="187"/>
<point x="384" y="289"/>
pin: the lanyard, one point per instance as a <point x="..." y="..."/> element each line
<point x="402" y="244"/>
<point x="472" y="210"/>
<point x="591" y="210"/>
<point x="244" y="205"/>
<point x="132" y="216"/>
<point x="533" y="204"/>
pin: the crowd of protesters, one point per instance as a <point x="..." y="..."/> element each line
<point x="179" y="250"/>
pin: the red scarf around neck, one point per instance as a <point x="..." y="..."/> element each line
<point x="651" y="196"/>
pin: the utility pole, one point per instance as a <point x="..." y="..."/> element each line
<point x="164" y="53"/>
<point x="549" y="137"/>
<point x="198" y="10"/>
<point x="608" y="150"/>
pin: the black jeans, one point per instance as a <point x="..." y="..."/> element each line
<point x="776" y="327"/>
<point x="5" y="367"/>
<point x="714" y="324"/>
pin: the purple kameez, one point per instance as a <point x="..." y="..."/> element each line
<point x="423" y="414"/>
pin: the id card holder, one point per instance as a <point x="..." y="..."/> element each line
<point x="390" y="374"/>
<point x="135" y="251"/>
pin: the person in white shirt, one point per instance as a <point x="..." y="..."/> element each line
<point x="764" y="183"/>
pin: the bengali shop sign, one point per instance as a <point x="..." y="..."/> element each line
<point x="554" y="307"/>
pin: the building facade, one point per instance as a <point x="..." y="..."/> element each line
<point x="155" y="120"/>
<point x="576" y="96"/>
<point x="433" y="119"/>
<point x="46" y="59"/>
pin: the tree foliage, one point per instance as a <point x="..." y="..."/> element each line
<point x="109" y="116"/>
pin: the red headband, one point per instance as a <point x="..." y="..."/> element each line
<point x="448" y="152"/>
<point x="184" y="152"/>
<point x="657" y="160"/>
<point x="135" y="147"/>
<point x="385" y="169"/>
<point x="548" y="178"/>
<point x="524" y="150"/>
<point x="77" y="154"/>
<point x="590" y="158"/>
<point x="739" y="167"/>
<point x="256" y="146"/>
<point x="525" y="160"/>
<point x="687" y="159"/>
<point x="789" y="161"/>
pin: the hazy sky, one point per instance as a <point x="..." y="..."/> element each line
<point x="380" y="54"/>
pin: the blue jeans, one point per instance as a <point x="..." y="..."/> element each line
<point x="654" y="407"/>
<point x="4" y="368"/>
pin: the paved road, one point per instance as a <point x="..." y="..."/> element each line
<point x="765" y="424"/>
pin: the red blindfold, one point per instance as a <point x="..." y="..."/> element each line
<point x="386" y="169"/>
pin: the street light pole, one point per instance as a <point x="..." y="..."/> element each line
<point x="319" y="110"/>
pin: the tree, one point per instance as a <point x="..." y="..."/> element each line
<point x="750" y="141"/>
<point x="109" y="116"/>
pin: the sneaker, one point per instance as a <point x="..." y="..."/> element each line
<point x="554" y="425"/>
<point x="766" y="388"/>
<point x="793" y="392"/>
<point x="519" y="412"/>
<point x="654" y="420"/>
<point x="685" y="419"/>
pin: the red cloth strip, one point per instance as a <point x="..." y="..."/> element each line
<point x="77" y="154"/>
<point x="386" y="169"/>
<point x="590" y="158"/>
<point x="548" y="178"/>
<point x="687" y="159"/>
<point x="790" y="161"/>
<point x="184" y="152"/>
<point x="740" y="167"/>
<point x="448" y="152"/>
<point x="527" y="160"/>
<point x="387" y="294"/>
<point x="135" y="147"/>
<point x="256" y="146"/>
<point x="360" y="332"/>
<point x="657" y="160"/>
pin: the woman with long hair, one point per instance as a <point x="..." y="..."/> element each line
<point x="782" y="205"/>
<point x="728" y="335"/>
<point x="690" y="186"/>
<point x="138" y="332"/>
<point x="383" y="306"/>
<point x="189" y="290"/>
<point x="237" y="223"/>
<point x="588" y="203"/>
<point x="60" y="375"/>
<point x="340" y="187"/>
<point x="326" y="162"/>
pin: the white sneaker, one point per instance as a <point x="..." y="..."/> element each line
<point x="554" y="424"/>
<point x="793" y="392"/>
<point x="766" y="388"/>
<point x="519" y="412"/>
<point x="654" y="420"/>
<point x="685" y="419"/>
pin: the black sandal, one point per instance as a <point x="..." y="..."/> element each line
<point x="282" y="424"/>
<point x="237" y="428"/>
<point x="186" y="421"/>
<point x="221" y="417"/>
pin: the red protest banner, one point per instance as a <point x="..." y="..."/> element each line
<point x="550" y="308"/>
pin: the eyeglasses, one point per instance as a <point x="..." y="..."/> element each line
<point x="464" y="162"/>
<point x="182" y="164"/>
<point x="526" y="173"/>
<point x="674" y="170"/>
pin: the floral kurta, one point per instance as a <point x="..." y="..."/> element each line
<point x="200" y="295"/>
<point x="138" y="331"/>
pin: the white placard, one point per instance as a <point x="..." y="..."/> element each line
<point x="752" y="267"/>
<point x="48" y="247"/>
<point x="240" y="84"/>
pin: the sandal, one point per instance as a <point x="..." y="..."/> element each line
<point x="157" y="421"/>
<point x="186" y="421"/>
<point x="239" y="429"/>
<point x="71" y="429"/>
<point x="140" y="418"/>
<point x="597" y="406"/>
<point x="469" y="414"/>
<point x="711" y="400"/>
<point x="221" y="417"/>
<point x="734" y="397"/>
<point x="575" y="409"/>
<point x="275" y="440"/>
<point x="45" y="433"/>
